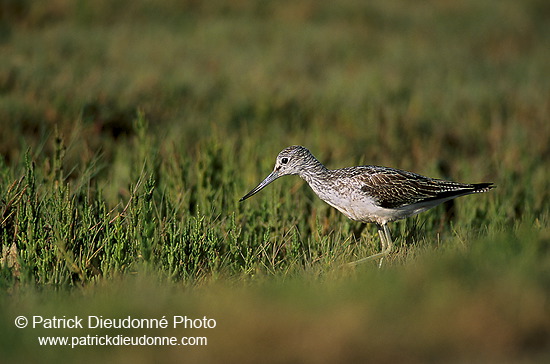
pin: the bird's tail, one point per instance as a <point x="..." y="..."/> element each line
<point x="482" y="187"/>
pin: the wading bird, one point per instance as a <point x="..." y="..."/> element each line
<point x="369" y="194"/>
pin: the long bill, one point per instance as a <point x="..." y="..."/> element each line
<point x="272" y="177"/>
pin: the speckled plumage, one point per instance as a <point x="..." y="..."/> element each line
<point x="369" y="194"/>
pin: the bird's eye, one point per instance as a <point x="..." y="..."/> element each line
<point x="284" y="160"/>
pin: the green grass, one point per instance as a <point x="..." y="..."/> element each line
<point x="129" y="131"/>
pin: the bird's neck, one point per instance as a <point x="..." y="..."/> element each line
<point x="315" y="171"/>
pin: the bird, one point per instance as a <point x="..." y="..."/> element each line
<point x="369" y="193"/>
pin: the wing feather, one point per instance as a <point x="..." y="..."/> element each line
<point x="392" y="188"/>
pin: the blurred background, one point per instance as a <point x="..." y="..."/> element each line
<point x="410" y="84"/>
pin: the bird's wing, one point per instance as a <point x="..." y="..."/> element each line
<point x="392" y="188"/>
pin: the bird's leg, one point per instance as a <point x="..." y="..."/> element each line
<point x="386" y="246"/>
<point x="389" y="243"/>
<point x="385" y="239"/>
<point x="382" y="235"/>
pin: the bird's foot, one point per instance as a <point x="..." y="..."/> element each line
<point x="380" y="256"/>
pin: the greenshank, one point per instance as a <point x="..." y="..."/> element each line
<point x="369" y="194"/>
